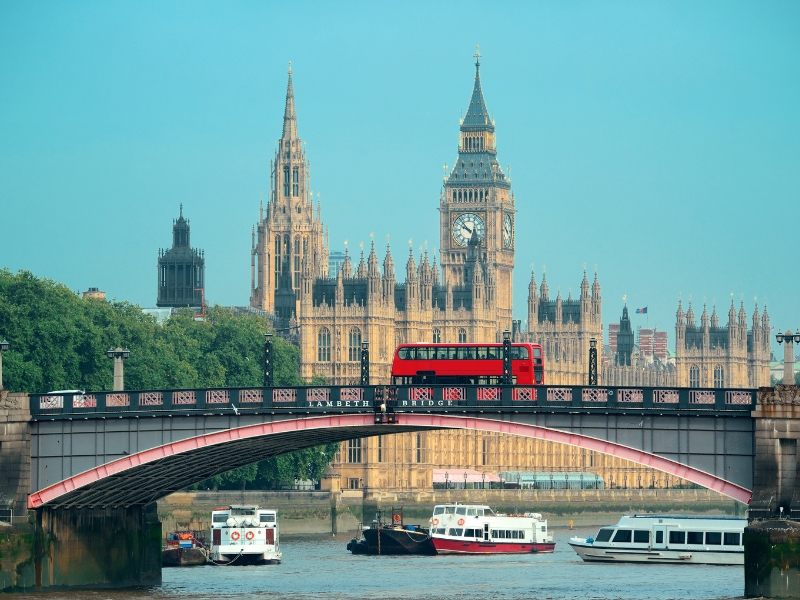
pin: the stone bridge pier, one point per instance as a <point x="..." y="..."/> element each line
<point x="772" y="540"/>
<point x="66" y="547"/>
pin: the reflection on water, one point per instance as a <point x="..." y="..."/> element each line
<point x="320" y="566"/>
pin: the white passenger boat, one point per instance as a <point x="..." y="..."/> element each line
<point x="245" y="535"/>
<point x="667" y="539"/>
<point x="477" y="529"/>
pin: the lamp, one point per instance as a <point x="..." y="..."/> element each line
<point x="506" y="335"/>
<point x="4" y="345"/>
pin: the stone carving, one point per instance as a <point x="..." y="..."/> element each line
<point x="780" y="394"/>
<point x="9" y="401"/>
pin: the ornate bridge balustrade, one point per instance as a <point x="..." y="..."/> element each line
<point x="427" y="398"/>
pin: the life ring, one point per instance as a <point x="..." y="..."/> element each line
<point x="396" y="518"/>
<point x="435" y="521"/>
<point x="235" y="536"/>
<point x="461" y="521"/>
<point x="249" y="535"/>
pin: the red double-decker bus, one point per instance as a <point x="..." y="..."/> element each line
<point x="479" y="364"/>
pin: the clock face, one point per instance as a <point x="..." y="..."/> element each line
<point x="508" y="232"/>
<point x="463" y="227"/>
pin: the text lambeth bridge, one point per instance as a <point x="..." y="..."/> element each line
<point x="96" y="462"/>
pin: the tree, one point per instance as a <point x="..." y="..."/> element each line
<point x="59" y="341"/>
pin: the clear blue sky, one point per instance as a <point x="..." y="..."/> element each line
<point x="659" y="141"/>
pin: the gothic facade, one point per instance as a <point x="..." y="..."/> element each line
<point x="564" y="328"/>
<point x="710" y="355"/>
<point x="181" y="270"/>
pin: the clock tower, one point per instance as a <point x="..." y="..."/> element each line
<point x="477" y="201"/>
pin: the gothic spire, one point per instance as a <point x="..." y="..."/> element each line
<point x="289" y="114"/>
<point x="477" y="116"/>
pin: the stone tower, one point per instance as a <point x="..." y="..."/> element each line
<point x="181" y="270"/>
<point x="477" y="202"/>
<point x="291" y="232"/>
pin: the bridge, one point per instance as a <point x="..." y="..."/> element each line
<point x="99" y="460"/>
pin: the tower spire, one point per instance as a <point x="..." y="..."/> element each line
<point x="289" y="114"/>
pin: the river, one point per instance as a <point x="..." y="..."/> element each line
<point x="320" y="567"/>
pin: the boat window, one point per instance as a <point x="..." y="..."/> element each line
<point x="486" y="511"/>
<point x="659" y="537"/>
<point x="461" y="510"/>
<point x="267" y="519"/>
<point x="604" y="535"/>
<point x="242" y="512"/>
<point x="694" y="537"/>
<point x="641" y="537"/>
<point x="470" y="533"/>
<point x="544" y="528"/>
<point x="677" y="537"/>
<point x="471" y="512"/>
<point x="449" y="510"/>
<point x="438" y="510"/>
<point x="219" y="518"/>
<point x="440" y="531"/>
<point x="456" y="531"/>
<point x="622" y="535"/>
<point x="731" y="539"/>
<point x="713" y="538"/>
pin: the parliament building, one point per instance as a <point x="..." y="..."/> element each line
<point x="463" y="295"/>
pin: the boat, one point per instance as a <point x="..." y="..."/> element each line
<point x="244" y="535"/>
<point x="394" y="537"/>
<point x="666" y="539"/>
<point x="477" y="529"/>
<point x="184" y="549"/>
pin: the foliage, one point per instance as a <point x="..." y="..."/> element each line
<point x="59" y="341"/>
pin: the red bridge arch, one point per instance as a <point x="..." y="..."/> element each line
<point x="120" y="482"/>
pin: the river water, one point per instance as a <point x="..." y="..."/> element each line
<point x="320" y="567"/>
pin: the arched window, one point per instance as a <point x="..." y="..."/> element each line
<point x="354" y="345"/>
<point x="324" y="345"/>
<point x="286" y="181"/>
<point x="462" y="336"/>
<point x="297" y="245"/>
<point x="454" y="196"/>
<point x="437" y="336"/>
<point x="481" y="196"/>
<point x="354" y="451"/>
<point x="470" y="195"/>
<point x="419" y="448"/>
<point x="719" y="377"/>
<point x="694" y="376"/>
<point x="459" y="195"/>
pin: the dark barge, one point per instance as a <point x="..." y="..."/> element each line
<point x="394" y="537"/>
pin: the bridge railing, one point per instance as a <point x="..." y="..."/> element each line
<point x="412" y="398"/>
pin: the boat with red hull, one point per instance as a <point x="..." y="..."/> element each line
<point x="477" y="529"/>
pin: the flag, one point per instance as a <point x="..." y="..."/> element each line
<point x="641" y="311"/>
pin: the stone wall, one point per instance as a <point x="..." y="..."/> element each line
<point x="777" y="431"/>
<point x="15" y="453"/>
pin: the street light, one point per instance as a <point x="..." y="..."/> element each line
<point x="365" y="363"/>
<point x="465" y="480"/>
<point x="592" y="361"/>
<point x="506" y="357"/>
<point x="269" y="371"/>
<point x="118" y="355"/>
<point x="788" y="354"/>
<point x="4" y="345"/>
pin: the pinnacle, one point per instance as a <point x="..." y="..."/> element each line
<point x="289" y="115"/>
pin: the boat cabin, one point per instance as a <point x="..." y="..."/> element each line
<point x="673" y="533"/>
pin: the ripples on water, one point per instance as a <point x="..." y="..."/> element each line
<point x="320" y="567"/>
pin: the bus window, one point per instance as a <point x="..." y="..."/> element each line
<point x="404" y="353"/>
<point x="423" y="353"/>
<point x="441" y="353"/>
<point x="537" y="352"/>
<point x="493" y="352"/>
<point x="466" y="352"/>
<point x="537" y="372"/>
<point x="452" y="353"/>
<point x="482" y="352"/>
<point x="519" y="353"/>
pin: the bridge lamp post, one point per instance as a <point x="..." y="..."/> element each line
<point x="269" y="371"/>
<point x="592" y="361"/>
<point x="4" y="345"/>
<point x="118" y="356"/>
<point x="365" y="363"/>
<point x="788" y="354"/>
<point x="507" y="357"/>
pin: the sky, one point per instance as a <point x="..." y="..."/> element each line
<point x="656" y="141"/>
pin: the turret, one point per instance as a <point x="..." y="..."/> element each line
<point x="533" y="305"/>
<point x="389" y="280"/>
<point x="544" y="291"/>
<point x="714" y="318"/>
<point x="347" y="268"/>
<point x="361" y="272"/>
<point x="373" y="275"/>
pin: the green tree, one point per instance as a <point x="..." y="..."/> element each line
<point x="59" y="341"/>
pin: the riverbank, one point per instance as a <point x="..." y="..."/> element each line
<point x="305" y="513"/>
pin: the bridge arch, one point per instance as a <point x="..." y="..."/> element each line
<point x="153" y="473"/>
